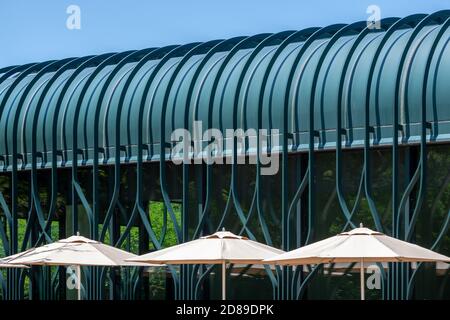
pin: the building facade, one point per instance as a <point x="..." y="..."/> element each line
<point x="357" y="129"/>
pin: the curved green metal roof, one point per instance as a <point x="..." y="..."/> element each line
<point x="317" y="84"/>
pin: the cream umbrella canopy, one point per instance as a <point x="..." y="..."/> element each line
<point x="219" y="248"/>
<point x="351" y="267"/>
<point x="75" y="250"/>
<point x="6" y="265"/>
<point x="358" y="245"/>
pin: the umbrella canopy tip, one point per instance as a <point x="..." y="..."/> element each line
<point x="78" y="233"/>
<point x="223" y="229"/>
<point x="361" y="225"/>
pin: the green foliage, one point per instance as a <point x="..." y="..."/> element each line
<point x="162" y="224"/>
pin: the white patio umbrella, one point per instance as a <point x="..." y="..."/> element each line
<point x="219" y="248"/>
<point x="75" y="250"/>
<point x="359" y="245"/>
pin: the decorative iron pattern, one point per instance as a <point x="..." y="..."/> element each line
<point x="73" y="128"/>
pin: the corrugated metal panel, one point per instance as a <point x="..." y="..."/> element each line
<point x="224" y="84"/>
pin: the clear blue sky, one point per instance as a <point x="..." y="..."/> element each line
<point x="36" y="30"/>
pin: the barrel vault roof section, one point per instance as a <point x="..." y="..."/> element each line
<point x="318" y="80"/>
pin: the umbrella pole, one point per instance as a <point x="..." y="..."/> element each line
<point x="362" y="278"/>
<point x="224" y="282"/>
<point x="79" y="281"/>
